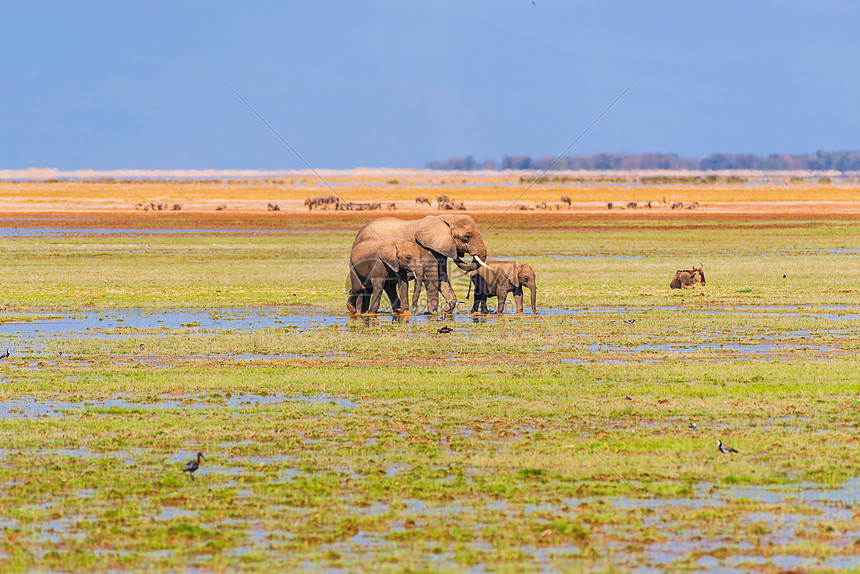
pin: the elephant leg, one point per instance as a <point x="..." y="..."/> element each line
<point x="445" y="286"/>
<point x="432" y="301"/>
<point x="518" y="299"/>
<point x="449" y="295"/>
<point x="390" y="287"/>
<point x="352" y="301"/>
<point x="403" y="293"/>
<point x="476" y="304"/>
<point x="355" y="291"/>
<point x="378" y="288"/>
<point x="502" y="295"/>
<point x="484" y="309"/>
<point x="364" y="301"/>
<point x="418" y="284"/>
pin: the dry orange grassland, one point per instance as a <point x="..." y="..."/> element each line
<point x="484" y="196"/>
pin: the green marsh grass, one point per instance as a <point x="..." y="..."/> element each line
<point x="512" y="444"/>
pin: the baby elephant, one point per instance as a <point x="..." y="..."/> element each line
<point x="504" y="277"/>
<point x="687" y="279"/>
<point x="385" y="265"/>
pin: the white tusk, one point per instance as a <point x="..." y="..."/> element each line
<point x="481" y="263"/>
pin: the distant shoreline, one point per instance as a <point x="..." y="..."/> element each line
<point x="46" y="173"/>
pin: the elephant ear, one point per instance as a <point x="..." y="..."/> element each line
<point x="387" y="252"/>
<point x="523" y="273"/>
<point x="512" y="273"/>
<point x="435" y="235"/>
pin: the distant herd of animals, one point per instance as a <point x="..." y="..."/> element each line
<point x="151" y="206"/>
<point x="390" y="253"/>
<point x="335" y="203"/>
<point x="651" y="204"/>
<point x="443" y="203"/>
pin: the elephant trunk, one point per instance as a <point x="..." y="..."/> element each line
<point x="477" y="250"/>
<point x="471" y="266"/>
<point x="533" y="291"/>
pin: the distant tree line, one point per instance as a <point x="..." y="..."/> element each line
<point x="818" y="161"/>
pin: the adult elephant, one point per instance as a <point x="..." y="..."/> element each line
<point x="377" y="266"/>
<point x="444" y="237"/>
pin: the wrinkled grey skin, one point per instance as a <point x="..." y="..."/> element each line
<point x="505" y="277"/>
<point x="377" y="266"/>
<point x="687" y="279"/>
<point x="443" y="236"/>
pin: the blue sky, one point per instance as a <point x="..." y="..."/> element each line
<point x="112" y="85"/>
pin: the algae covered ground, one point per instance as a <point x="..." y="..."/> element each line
<point x="580" y="439"/>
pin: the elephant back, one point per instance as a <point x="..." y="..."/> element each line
<point x="383" y="228"/>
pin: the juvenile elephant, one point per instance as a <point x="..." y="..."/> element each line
<point x="502" y="278"/>
<point x="443" y="236"/>
<point x="385" y="265"/>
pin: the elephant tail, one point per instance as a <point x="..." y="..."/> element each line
<point x="469" y="292"/>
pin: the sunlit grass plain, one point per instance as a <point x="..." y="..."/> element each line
<point x="513" y="444"/>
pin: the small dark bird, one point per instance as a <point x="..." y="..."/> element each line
<point x="693" y="426"/>
<point x="783" y="275"/>
<point x="629" y="321"/>
<point x="193" y="465"/>
<point x="141" y="346"/>
<point x="442" y="316"/>
<point x="445" y="329"/>
<point x="724" y="448"/>
<point x="6" y="354"/>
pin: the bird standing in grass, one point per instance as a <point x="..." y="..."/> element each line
<point x="445" y="329"/>
<point x="193" y="465"/>
<point x="724" y="448"/>
<point x="6" y="354"/>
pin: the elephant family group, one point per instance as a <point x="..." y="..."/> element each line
<point x="388" y="253"/>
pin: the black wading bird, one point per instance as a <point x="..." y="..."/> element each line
<point x="193" y="465"/>
<point x="724" y="448"/>
<point x="6" y="354"/>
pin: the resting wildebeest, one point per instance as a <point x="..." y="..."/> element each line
<point x="687" y="279"/>
<point x="273" y="207"/>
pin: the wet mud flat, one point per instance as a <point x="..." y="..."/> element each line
<point x="614" y="333"/>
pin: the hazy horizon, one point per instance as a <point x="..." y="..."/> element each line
<point x="383" y="84"/>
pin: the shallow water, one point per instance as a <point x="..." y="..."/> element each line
<point x="762" y="348"/>
<point x="63" y="323"/>
<point x="7" y="232"/>
<point x="28" y="407"/>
